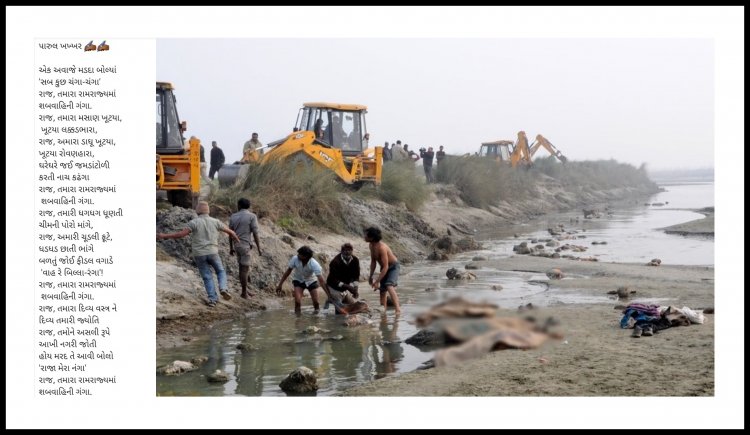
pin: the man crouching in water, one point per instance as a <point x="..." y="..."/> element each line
<point x="387" y="281"/>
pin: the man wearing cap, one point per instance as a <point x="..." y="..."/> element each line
<point x="205" y="244"/>
<point x="343" y="277"/>
<point x="243" y="223"/>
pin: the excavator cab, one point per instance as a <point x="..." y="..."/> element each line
<point x="340" y="126"/>
<point x="169" y="131"/>
<point x="177" y="165"/>
<point x="498" y="150"/>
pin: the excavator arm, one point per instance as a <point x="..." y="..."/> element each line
<point x="521" y="153"/>
<point x="542" y="142"/>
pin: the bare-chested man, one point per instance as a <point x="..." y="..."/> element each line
<point x="387" y="281"/>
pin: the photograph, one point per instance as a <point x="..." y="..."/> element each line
<point x="435" y="217"/>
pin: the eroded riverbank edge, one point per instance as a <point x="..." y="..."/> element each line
<point x="180" y="295"/>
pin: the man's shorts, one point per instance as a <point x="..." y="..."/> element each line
<point x="344" y="297"/>
<point x="391" y="277"/>
<point x="303" y="286"/>
<point x="243" y="254"/>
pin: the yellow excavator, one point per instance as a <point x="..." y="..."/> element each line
<point x="177" y="164"/>
<point x="326" y="135"/>
<point x="520" y="153"/>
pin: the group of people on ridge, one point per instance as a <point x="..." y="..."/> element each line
<point x="397" y="152"/>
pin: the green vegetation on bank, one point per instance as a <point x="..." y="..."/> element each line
<point x="401" y="183"/>
<point x="297" y="197"/>
<point x="287" y="195"/>
<point x="484" y="182"/>
<point x="599" y="174"/>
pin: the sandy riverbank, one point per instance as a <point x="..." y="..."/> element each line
<point x="180" y="295"/>
<point x="596" y="357"/>
<point x="699" y="227"/>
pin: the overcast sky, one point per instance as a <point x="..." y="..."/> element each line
<point x="634" y="100"/>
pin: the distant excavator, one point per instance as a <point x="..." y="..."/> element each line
<point x="520" y="153"/>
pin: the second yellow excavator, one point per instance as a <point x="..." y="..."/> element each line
<point x="520" y="153"/>
<point x="177" y="162"/>
<point x="326" y="135"/>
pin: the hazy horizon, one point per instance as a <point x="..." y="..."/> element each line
<point x="635" y="100"/>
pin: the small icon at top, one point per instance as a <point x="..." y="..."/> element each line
<point x="103" y="46"/>
<point x="90" y="46"/>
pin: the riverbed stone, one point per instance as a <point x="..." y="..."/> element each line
<point x="438" y="256"/>
<point x="356" y="320"/>
<point x="623" y="292"/>
<point x="427" y="337"/>
<point x="176" y="368"/>
<point x="219" y="376"/>
<point x="301" y="380"/>
<point x="198" y="360"/>
<point x="555" y="274"/>
<point x="454" y="273"/>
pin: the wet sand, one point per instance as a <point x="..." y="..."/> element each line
<point x="698" y="227"/>
<point x="596" y="357"/>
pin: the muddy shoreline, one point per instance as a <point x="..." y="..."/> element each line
<point x="180" y="295"/>
<point x="703" y="227"/>
<point x="596" y="357"/>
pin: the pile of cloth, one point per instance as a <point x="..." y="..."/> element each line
<point x="646" y="320"/>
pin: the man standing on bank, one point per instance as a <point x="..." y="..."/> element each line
<point x="217" y="160"/>
<point x="243" y="223"/>
<point x="427" y="156"/>
<point x="440" y="155"/>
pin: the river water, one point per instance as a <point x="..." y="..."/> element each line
<point x="345" y="357"/>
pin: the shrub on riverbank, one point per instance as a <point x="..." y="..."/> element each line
<point x="290" y="195"/>
<point x="401" y="182"/>
<point x="483" y="182"/>
<point x="599" y="174"/>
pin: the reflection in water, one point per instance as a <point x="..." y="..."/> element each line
<point x="275" y="344"/>
<point x="389" y="350"/>
<point x="248" y="368"/>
